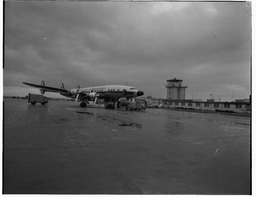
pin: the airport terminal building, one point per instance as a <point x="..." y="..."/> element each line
<point x="209" y="105"/>
<point x="176" y="99"/>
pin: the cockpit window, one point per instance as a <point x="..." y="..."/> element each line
<point x="132" y="88"/>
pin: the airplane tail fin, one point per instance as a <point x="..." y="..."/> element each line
<point x="62" y="86"/>
<point x="78" y="86"/>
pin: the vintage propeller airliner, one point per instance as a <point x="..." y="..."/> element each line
<point x="110" y="93"/>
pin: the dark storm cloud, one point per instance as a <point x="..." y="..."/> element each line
<point x="95" y="43"/>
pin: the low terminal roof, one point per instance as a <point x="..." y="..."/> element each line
<point x="175" y="80"/>
<point x="214" y="102"/>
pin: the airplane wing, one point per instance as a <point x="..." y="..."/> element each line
<point x="44" y="88"/>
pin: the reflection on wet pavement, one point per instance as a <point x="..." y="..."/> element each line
<point x="63" y="149"/>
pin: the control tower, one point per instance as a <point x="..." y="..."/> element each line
<point x="175" y="90"/>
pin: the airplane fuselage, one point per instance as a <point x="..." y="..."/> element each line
<point x="107" y="91"/>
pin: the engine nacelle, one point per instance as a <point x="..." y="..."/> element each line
<point x="92" y="95"/>
<point x="74" y="91"/>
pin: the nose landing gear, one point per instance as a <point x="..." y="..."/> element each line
<point x="83" y="104"/>
<point x="110" y="105"/>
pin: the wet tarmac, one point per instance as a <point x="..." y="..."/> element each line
<point x="63" y="149"/>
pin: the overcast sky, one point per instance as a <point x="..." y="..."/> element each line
<point x="205" y="44"/>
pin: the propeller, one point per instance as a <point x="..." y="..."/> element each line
<point x="77" y="96"/>
<point x="95" y="100"/>
<point x="78" y="92"/>
<point x="42" y="90"/>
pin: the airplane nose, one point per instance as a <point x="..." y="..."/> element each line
<point x="140" y="93"/>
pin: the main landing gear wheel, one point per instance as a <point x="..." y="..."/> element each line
<point x="83" y="104"/>
<point x="109" y="105"/>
